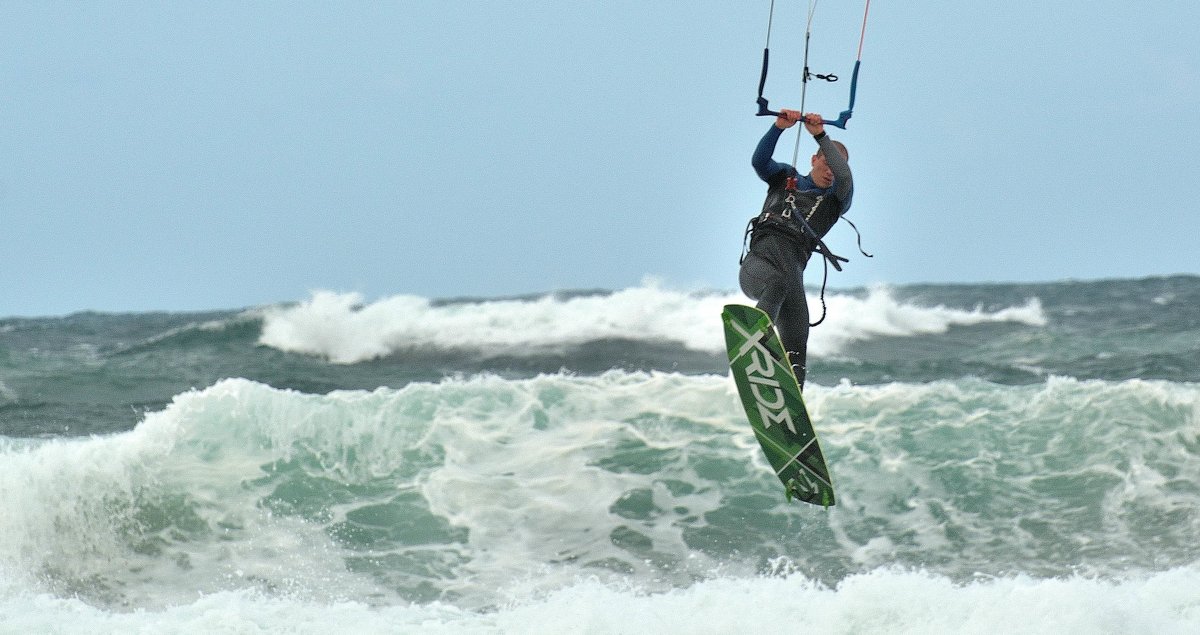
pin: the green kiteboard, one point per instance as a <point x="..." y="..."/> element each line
<point x="774" y="406"/>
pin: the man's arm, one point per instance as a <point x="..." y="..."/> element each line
<point x="843" y="179"/>
<point x="764" y="165"/>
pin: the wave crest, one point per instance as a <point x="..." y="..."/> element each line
<point x="341" y="328"/>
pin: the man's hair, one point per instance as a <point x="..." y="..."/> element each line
<point x="840" y="146"/>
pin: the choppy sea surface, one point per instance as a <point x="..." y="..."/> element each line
<point x="1020" y="458"/>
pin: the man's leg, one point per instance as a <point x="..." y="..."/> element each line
<point x="764" y="283"/>
<point x="793" y="327"/>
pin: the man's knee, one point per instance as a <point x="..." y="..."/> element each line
<point x="755" y="277"/>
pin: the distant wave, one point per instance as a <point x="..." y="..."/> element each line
<point x="343" y="329"/>
<point x="191" y="332"/>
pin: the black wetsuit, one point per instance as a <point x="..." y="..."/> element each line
<point x="772" y="272"/>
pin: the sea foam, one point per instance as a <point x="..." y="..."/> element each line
<point x="881" y="601"/>
<point x="485" y="491"/>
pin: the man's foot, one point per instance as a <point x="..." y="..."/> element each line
<point x="798" y="370"/>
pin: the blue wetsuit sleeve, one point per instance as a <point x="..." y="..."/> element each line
<point x="764" y="165"/>
<point x="843" y="179"/>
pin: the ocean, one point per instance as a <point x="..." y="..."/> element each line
<point x="1018" y="458"/>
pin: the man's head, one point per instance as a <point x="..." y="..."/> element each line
<point x="821" y="175"/>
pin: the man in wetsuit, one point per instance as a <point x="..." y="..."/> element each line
<point x="798" y="212"/>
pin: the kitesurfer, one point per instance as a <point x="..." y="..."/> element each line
<point x="799" y="210"/>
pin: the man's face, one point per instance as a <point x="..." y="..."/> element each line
<point x="821" y="175"/>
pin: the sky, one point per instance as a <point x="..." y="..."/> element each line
<point x="172" y="156"/>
